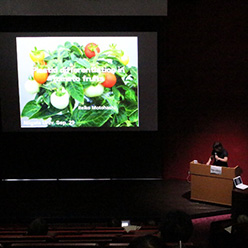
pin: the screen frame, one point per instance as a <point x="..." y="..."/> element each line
<point x="147" y="122"/>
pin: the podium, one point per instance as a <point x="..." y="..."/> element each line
<point x="212" y="184"/>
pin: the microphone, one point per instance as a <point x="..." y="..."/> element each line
<point x="215" y="155"/>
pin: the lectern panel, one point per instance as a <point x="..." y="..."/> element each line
<point x="210" y="187"/>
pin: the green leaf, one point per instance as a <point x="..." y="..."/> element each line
<point x="60" y="66"/>
<point x="76" y="90"/>
<point x="130" y="81"/>
<point x="48" y="58"/>
<point x="80" y="62"/>
<point x="91" y="118"/>
<point x="46" y="97"/>
<point x="83" y="62"/>
<point x="67" y="63"/>
<point x="76" y="44"/>
<point x="76" y="50"/>
<point x="60" y="47"/>
<point x="30" y="109"/>
<point x="86" y="84"/>
<point x="52" y="63"/>
<point x="130" y="108"/>
<point x="124" y="87"/>
<point x="52" y="85"/>
<point x="64" y="117"/>
<point x="121" y="74"/>
<point x="120" y="118"/>
<point x="134" y="72"/>
<point x="117" y="93"/>
<point x="112" y="102"/>
<point x="64" y="54"/>
<point x="134" y="117"/>
<point x="130" y="95"/>
<point x="46" y="113"/>
<point x="60" y="121"/>
<point x="68" y="44"/>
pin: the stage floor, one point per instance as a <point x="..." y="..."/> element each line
<point x="96" y="200"/>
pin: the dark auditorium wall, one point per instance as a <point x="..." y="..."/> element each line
<point x="202" y="89"/>
<point x="205" y="84"/>
<point x="202" y="93"/>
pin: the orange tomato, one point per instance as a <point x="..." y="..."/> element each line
<point x="40" y="75"/>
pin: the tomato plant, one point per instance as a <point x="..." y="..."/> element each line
<point x="110" y="80"/>
<point x="40" y="75"/>
<point x="82" y="92"/>
<point x="91" y="49"/>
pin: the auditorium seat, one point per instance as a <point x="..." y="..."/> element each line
<point x="100" y="242"/>
<point x="13" y="227"/>
<point x="184" y="245"/>
<point x="54" y="245"/>
<point x="8" y="239"/>
<point x="84" y="231"/>
<point x="85" y="236"/>
<point x="219" y="236"/>
<point x="125" y="238"/>
<point x="15" y="232"/>
<point x="70" y="227"/>
<point x="108" y="228"/>
<point x="73" y="236"/>
<point x="239" y="235"/>
<point x="117" y="245"/>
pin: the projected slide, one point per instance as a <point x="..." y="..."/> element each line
<point x="78" y="81"/>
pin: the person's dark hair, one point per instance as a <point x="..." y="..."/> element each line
<point x="217" y="146"/>
<point x="38" y="227"/>
<point x="114" y="222"/>
<point x="177" y="226"/>
<point x="147" y="241"/>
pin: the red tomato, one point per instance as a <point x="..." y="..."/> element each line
<point x="90" y="50"/>
<point x="40" y="76"/>
<point x="110" y="80"/>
